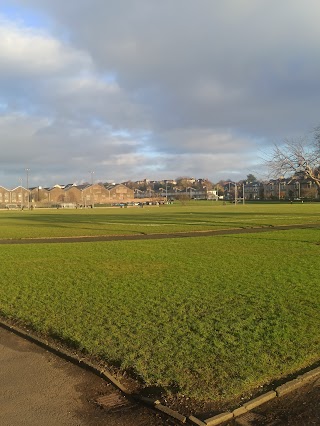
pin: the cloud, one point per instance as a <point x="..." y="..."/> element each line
<point x="210" y="140"/>
<point x="160" y="88"/>
<point x="29" y="51"/>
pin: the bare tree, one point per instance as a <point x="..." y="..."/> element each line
<point x="183" y="198"/>
<point x="300" y="156"/>
<point x="183" y="182"/>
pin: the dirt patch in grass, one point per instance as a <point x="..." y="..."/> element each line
<point x="190" y="234"/>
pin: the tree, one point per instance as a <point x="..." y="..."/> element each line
<point x="130" y="184"/>
<point x="300" y="156"/>
<point x="206" y="183"/>
<point x="261" y="192"/>
<point x="183" y="182"/>
<point x="183" y="198"/>
<point x="220" y="188"/>
<point x="310" y="193"/>
<point x="251" y="178"/>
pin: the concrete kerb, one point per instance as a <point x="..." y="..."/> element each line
<point x="310" y="375"/>
<point x="253" y="403"/>
<point x="156" y="404"/>
<point x="195" y="421"/>
<point x="262" y="399"/>
<point x="284" y="389"/>
<point x="218" y="419"/>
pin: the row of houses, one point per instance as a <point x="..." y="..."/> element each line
<point x="100" y="194"/>
<point x="275" y="189"/>
<point x="64" y="195"/>
<point x="175" y="193"/>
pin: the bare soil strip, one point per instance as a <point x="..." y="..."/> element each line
<point x="190" y="234"/>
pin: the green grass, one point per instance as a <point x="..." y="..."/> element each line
<point x="211" y="317"/>
<point x="196" y="216"/>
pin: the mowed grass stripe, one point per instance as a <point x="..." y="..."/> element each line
<point x="196" y="216"/>
<point x="213" y="317"/>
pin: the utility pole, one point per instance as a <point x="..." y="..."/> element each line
<point x="21" y="194"/>
<point x="92" y="195"/>
<point x="28" y="170"/>
<point x="243" y="193"/>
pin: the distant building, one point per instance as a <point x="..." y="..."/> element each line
<point x="71" y="194"/>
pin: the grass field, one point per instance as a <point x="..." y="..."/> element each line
<point x="197" y="216"/>
<point x="211" y="317"/>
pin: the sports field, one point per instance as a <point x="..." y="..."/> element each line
<point x="210" y="317"/>
<point x="196" y="216"/>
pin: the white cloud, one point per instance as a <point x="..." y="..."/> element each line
<point x="162" y="87"/>
<point x="26" y="50"/>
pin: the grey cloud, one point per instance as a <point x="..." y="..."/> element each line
<point x="208" y="141"/>
<point x="208" y="82"/>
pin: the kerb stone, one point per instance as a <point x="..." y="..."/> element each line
<point x="220" y="418"/>
<point x="196" y="421"/>
<point x="171" y="412"/>
<point x="250" y="405"/>
<point x="310" y="375"/>
<point x="289" y="387"/>
<point x="239" y="411"/>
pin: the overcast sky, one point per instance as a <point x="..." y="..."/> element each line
<point x="134" y="89"/>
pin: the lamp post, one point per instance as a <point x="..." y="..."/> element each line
<point x="166" y="191"/>
<point x="21" y="195"/>
<point x="243" y="193"/>
<point x="92" y="196"/>
<point x="27" y="171"/>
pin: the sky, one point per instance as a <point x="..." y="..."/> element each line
<point x="117" y="90"/>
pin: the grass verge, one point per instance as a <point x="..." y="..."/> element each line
<point x="210" y="317"/>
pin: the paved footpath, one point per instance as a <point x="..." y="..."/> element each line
<point x="38" y="388"/>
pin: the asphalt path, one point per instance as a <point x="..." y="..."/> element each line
<point x="38" y="388"/>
